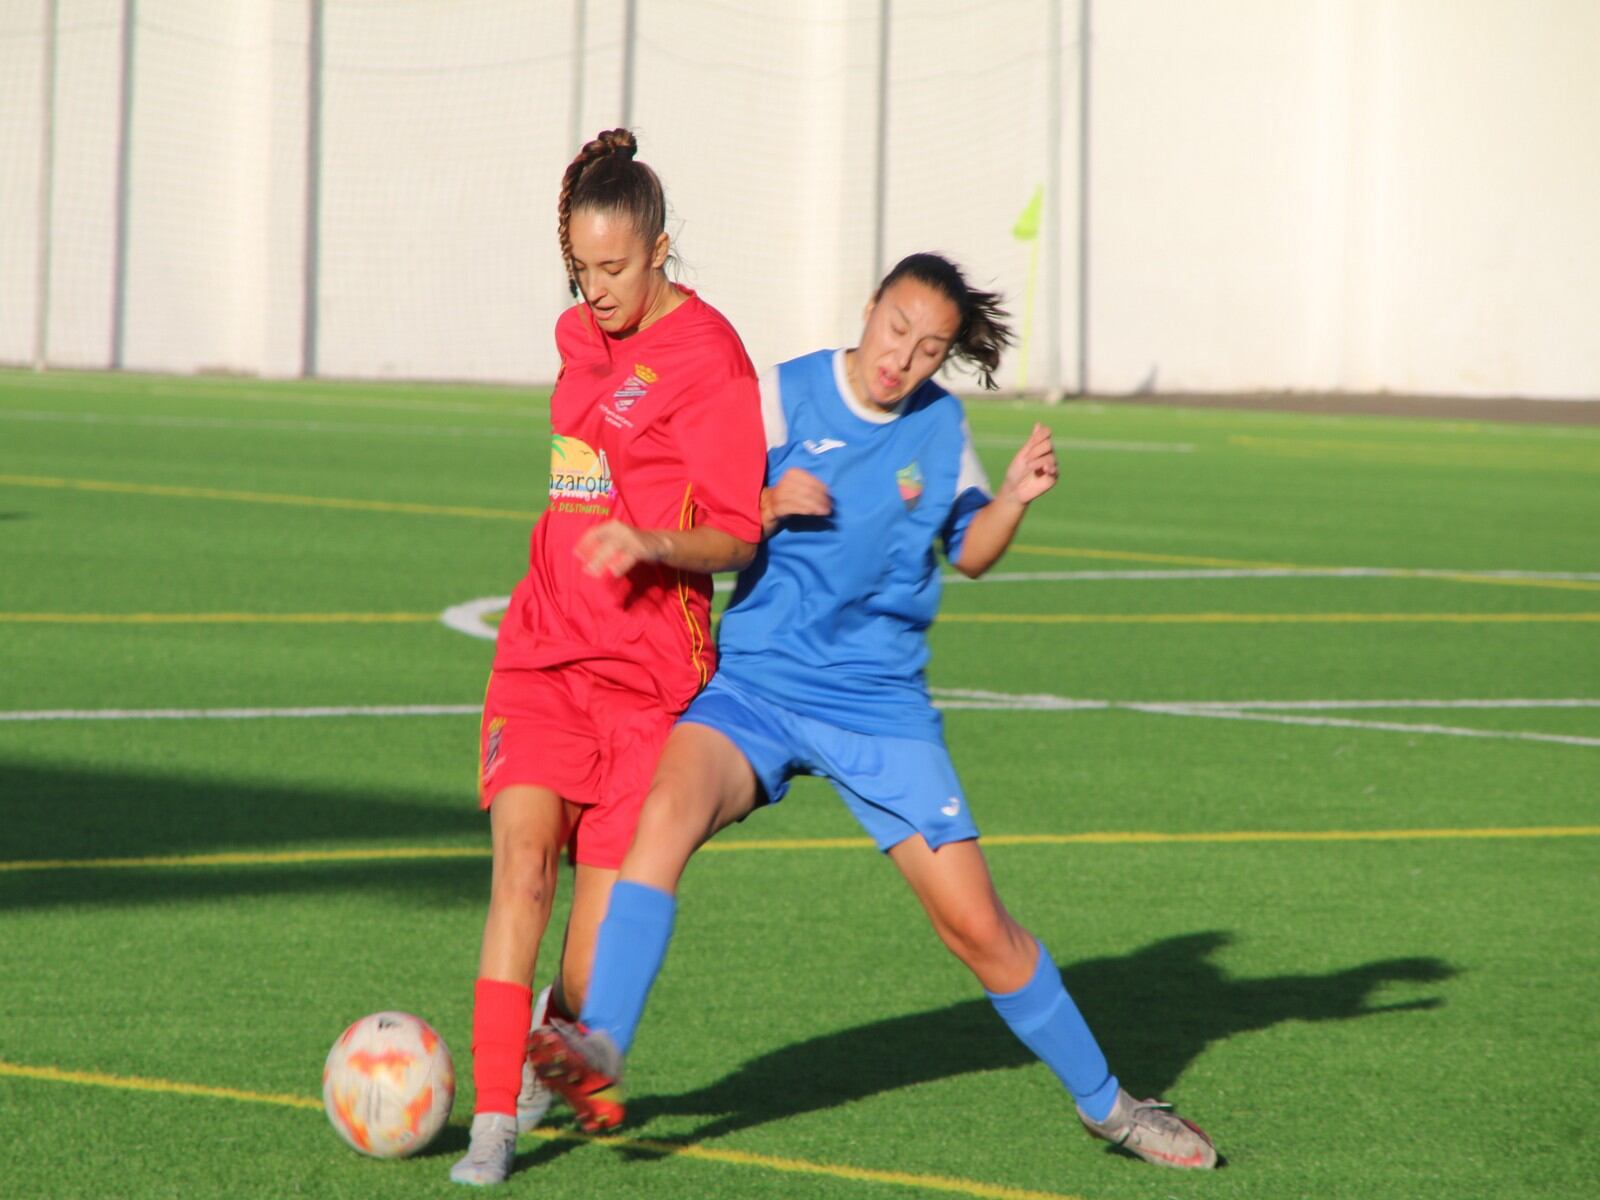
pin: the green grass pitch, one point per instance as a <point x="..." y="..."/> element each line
<point x="1220" y="623"/>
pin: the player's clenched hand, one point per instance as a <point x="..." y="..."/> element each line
<point x="613" y="548"/>
<point x="1034" y="470"/>
<point x="798" y="494"/>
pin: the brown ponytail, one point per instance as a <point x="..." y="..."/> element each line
<point x="985" y="329"/>
<point x="606" y="177"/>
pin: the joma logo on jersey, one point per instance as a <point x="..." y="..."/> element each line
<point x="634" y="387"/>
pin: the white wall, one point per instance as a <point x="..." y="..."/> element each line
<point x="1283" y="194"/>
<point x="1346" y="195"/>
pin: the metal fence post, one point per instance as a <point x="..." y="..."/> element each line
<point x="311" y="282"/>
<point x="47" y="170"/>
<point x="119" y="250"/>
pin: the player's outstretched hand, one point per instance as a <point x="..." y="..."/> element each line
<point x="798" y="494"/>
<point x="1034" y="470"/>
<point x="613" y="548"/>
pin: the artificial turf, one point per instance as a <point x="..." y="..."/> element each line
<point x="1392" y="1016"/>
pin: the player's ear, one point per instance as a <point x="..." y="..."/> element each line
<point x="866" y="313"/>
<point x="658" y="253"/>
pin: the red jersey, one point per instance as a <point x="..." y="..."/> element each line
<point x="661" y="430"/>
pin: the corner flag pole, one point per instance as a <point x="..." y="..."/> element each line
<point x="1027" y="230"/>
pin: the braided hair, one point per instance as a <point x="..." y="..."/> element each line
<point x="605" y="176"/>
<point x="985" y="329"/>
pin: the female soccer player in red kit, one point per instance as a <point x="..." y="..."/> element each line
<point x="656" y="464"/>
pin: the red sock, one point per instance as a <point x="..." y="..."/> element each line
<point x="500" y="1015"/>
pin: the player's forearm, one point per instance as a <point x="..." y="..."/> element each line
<point x="705" y="550"/>
<point x="988" y="534"/>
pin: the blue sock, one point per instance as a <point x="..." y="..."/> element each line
<point x="1046" y="1021"/>
<point x="627" y="957"/>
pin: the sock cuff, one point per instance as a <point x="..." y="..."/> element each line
<point x="503" y="991"/>
<point x="640" y="902"/>
<point x="1035" y="1000"/>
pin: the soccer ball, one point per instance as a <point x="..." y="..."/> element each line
<point x="388" y="1084"/>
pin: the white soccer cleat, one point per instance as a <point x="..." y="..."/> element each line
<point x="1151" y="1130"/>
<point x="533" y="1101"/>
<point x="488" y="1159"/>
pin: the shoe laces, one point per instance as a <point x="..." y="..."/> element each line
<point x="1156" y="1115"/>
<point x="486" y="1146"/>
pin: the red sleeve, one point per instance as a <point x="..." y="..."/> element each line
<point x="719" y="433"/>
<point x="576" y="337"/>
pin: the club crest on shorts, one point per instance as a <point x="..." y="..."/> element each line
<point x="491" y="748"/>
<point x="909" y="479"/>
<point x="634" y="387"/>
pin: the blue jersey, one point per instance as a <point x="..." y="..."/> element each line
<point x="830" y="620"/>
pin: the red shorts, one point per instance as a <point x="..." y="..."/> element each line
<point x="591" y="741"/>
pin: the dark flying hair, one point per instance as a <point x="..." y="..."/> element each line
<point x="605" y="176"/>
<point x="985" y="329"/>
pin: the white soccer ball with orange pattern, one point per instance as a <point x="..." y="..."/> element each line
<point x="388" y="1084"/>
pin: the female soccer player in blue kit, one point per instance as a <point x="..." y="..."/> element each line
<point x="822" y="655"/>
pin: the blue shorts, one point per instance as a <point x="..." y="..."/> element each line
<point x="895" y="786"/>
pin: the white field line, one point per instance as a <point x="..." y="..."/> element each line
<point x="1096" y="444"/>
<point x="265" y="424"/>
<point x="1240" y="705"/>
<point x="953" y="699"/>
<point x="1233" y="714"/>
<point x="242" y="714"/>
<point x="1268" y="573"/>
<point x="469" y="618"/>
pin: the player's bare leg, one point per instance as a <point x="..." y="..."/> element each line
<point x="957" y="892"/>
<point x="562" y="1000"/>
<point x="702" y="784"/>
<point x="528" y="826"/>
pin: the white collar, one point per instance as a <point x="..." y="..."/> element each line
<point x="868" y="413"/>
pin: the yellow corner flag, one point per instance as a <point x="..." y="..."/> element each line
<point x="1027" y="226"/>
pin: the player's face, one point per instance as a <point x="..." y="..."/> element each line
<point x="909" y="331"/>
<point x="619" y="273"/>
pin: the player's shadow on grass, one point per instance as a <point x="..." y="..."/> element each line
<point x="54" y="812"/>
<point x="1154" y="1012"/>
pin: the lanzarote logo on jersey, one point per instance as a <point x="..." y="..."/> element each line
<point x="580" y="477"/>
<point x="634" y="387"/>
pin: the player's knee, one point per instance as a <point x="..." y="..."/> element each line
<point x="675" y="812"/>
<point x="979" y="935"/>
<point x="526" y="875"/>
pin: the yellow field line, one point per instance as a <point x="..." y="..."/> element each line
<point x="737" y="845"/>
<point x="217" y="618"/>
<point x="742" y="1158"/>
<point x="202" y="493"/>
<point x="132" y="1083"/>
<point x="1190" y="560"/>
<point x="1232" y="618"/>
<point x="1182" y="560"/>
<point x="1576" y="585"/>
<point x="447" y="510"/>
<point x="249" y="858"/>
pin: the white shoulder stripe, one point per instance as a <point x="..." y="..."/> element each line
<point x="776" y="424"/>
<point x="972" y="474"/>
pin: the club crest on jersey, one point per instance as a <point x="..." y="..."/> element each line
<point x="910" y="480"/>
<point x="634" y="387"/>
